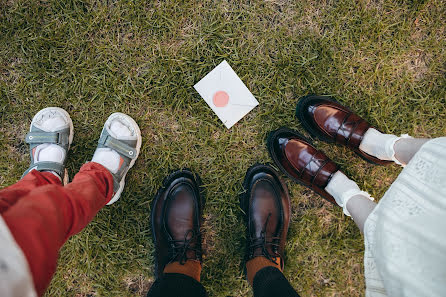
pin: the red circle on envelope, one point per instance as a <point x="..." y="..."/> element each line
<point x="221" y="99"/>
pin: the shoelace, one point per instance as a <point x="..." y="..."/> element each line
<point x="263" y="242"/>
<point x="180" y="247"/>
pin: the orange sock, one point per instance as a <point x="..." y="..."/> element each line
<point x="257" y="263"/>
<point x="191" y="268"/>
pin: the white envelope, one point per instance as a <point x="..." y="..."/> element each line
<point x="226" y="94"/>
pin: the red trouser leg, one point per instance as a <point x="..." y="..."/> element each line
<point x="46" y="216"/>
<point x="10" y="195"/>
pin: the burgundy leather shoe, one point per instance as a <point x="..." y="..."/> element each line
<point x="325" y="118"/>
<point x="266" y="204"/>
<point x="301" y="161"/>
<point x="176" y="220"/>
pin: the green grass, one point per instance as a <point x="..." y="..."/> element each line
<point x="385" y="59"/>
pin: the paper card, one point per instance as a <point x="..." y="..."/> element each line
<point x="226" y="94"/>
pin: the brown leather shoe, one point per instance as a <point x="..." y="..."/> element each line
<point x="325" y="118"/>
<point x="176" y="220"/>
<point x="266" y="204"/>
<point x="301" y="161"/>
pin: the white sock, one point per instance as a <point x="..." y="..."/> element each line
<point x="46" y="151"/>
<point x="342" y="189"/>
<point x="107" y="157"/>
<point x="51" y="124"/>
<point x="380" y="145"/>
<point x="49" y="152"/>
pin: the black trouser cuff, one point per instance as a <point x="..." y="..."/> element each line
<point x="270" y="281"/>
<point x="176" y="284"/>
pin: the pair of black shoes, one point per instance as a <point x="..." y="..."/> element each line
<point x="177" y="217"/>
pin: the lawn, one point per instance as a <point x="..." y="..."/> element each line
<point x="384" y="59"/>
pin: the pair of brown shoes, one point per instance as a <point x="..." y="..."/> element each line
<point x="326" y="119"/>
<point x="177" y="208"/>
<point x="177" y="217"/>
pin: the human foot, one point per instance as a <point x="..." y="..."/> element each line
<point x="266" y="205"/>
<point x="118" y="148"/>
<point x="343" y="189"/>
<point x="49" y="138"/>
<point x="301" y="161"/>
<point x="382" y="145"/>
<point x="325" y="118"/>
<point x="176" y="222"/>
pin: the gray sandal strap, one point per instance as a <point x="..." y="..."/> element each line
<point x="47" y="137"/>
<point x="122" y="148"/>
<point x="47" y="166"/>
<point x="37" y="137"/>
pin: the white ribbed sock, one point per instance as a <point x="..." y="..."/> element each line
<point x="107" y="157"/>
<point x="380" y="145"/>
<point x="343" y="189"/>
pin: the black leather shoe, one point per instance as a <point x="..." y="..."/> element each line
<point x="266" y="204"/>
<point x="176" y="220"/>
